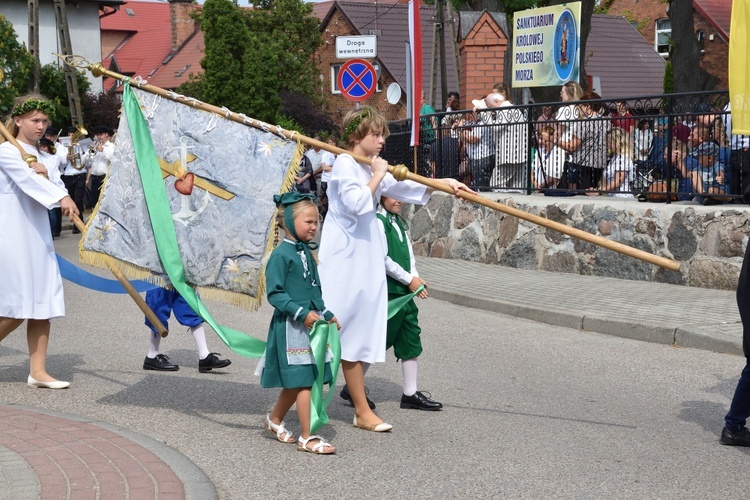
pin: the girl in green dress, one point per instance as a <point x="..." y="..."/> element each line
<point x="293" y="289"/>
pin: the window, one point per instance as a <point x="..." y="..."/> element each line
<point x="662" y="36"/>
<point x="335" y="77"/>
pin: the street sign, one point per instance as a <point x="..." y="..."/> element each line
<point x="349" y="47"/>
<point x="357" y="80"/>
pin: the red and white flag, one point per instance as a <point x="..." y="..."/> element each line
<point x="415" y="42"/>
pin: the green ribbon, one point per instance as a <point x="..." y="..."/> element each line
<point x="160" y="214"/>
<point x="321" y="336"/>
<point x="395" y="305"/>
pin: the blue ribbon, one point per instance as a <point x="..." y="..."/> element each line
<point x="76" y="275"/>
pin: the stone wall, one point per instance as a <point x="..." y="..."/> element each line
<point x="709" y="241"/>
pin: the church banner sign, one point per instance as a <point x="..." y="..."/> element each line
<point x="546" y="46"/>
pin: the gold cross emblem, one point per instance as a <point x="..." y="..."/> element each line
<point x="178" y="171"/>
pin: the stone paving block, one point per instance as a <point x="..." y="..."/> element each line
<point x="599" y="304"/>
<point x="102" y="462"/>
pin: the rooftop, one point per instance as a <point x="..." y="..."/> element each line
<point x="625" y="62"/>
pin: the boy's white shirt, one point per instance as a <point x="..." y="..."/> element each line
<point x="392" y="269"/>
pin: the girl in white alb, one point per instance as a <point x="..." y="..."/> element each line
<point x="31" y="287"/>
<point x="352" y="271"/>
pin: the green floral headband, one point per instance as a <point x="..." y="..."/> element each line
<point x="349" y="130"/>
<point x="33" y="105"/>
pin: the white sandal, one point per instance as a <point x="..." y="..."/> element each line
<point x="279" y="431"/>
<point x="317" y="448"/>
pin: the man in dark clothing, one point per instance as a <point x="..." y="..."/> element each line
<point x="735" y="433"/>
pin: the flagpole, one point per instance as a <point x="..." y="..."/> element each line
<point x="29" y="158"/>
<point x="400" y="172"/>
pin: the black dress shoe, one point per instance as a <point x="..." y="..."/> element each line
<point x="348" y="397"/>
<point x="160" y="363"/>
<point x="419" y="401"/>
<point x="211" y="361"/>
<point x="735" y="438"/>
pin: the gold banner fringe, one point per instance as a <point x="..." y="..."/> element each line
<point x="271" y="242"/>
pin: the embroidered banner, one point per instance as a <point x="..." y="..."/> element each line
<point x="220" y="177"/>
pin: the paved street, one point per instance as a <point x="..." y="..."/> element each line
<point x="531" y="410"/>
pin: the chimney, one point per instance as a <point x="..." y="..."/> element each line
<point x="183" y="26"/>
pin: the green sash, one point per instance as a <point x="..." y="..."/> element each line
<point x="160" y="214"/>
<point x="321" y="336"/>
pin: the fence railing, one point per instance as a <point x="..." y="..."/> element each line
<point x="658" y="148"/>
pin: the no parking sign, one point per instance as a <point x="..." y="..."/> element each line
<point x="357" y="80"/>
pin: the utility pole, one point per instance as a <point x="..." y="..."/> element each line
<point x="438" y="52"/>
<point x="36" y="73"/>
<point x="66" y="47"/>
<point x="441" y="41"/>
<point x="454" y="38"/>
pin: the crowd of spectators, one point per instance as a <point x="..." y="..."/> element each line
<point x="586" y="145"/>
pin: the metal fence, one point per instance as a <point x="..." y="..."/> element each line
<point x="656" y="148"/>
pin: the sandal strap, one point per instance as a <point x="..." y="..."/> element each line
<point x="282" y="430"/>
<point x="320" y="444"/>
<point x="279" y="429"/>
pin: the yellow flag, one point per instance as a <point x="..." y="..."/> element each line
<point x="739" y="62"/>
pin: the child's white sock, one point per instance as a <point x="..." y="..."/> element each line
<point x="153" y="347"/>
<point x="409" y="369"/>
<point x="199" y="334"/>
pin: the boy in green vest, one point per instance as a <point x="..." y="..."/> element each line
<point x="403" y="327"/>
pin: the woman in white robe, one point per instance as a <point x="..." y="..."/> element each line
<point x="352" y="260"/>
<point x="31" y="287"/>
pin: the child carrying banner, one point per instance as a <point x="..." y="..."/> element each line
<point x="31" y="288"/>
<point x="351" y="252"/>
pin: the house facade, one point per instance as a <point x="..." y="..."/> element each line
<point x="623" y="62"/>
<point x="711" y="20"/>
<point x="157" y="41"/>
<point x="389" y="23"/>
<point x="83" y="24"/>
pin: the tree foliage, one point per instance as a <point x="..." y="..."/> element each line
<point x="253" y="56"/>
<point x="16" y="62"/>
<point x="668" y="82"/>
<point x="307" y="113"/>
<point x="291" y="30"/>
<point x="101" y="108"/>
<point x="52" y="85"/>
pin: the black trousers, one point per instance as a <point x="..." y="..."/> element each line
<point x="76" y="187"/>
<point x="95" y="187"/>
<point x="739" y="411"/>
<point x="739" y="178"/>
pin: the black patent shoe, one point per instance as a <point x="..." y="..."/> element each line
<point x="212" y="361"/>
<point x="735" y="438"/>
<point x="348" y="397"/>
<point x="419" y="401"/>
<point x="159" y="363"/>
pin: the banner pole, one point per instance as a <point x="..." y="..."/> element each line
<point x="400" y="172"/>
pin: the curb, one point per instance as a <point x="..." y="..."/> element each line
<point x="692" y="335"/>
